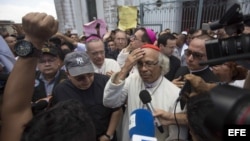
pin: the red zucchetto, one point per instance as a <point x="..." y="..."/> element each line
<point x="151" y="46"/>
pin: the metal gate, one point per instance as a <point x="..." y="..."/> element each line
<point x="168" y="14"/>
<point x="182" y="15"/>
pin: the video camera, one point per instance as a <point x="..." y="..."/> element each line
<point x="235" y="47"/>
<point x="231" y="107"/>
<point x="231" y="104"/>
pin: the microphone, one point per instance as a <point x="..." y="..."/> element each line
<point x="141" y="125"/>
<point x="146" y="99"/>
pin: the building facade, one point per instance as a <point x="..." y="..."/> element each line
<point x="177" y="15"/>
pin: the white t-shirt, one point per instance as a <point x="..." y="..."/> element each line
<point x="108" y="65"/>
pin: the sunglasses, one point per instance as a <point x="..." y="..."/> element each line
<point x="196" y="55"/>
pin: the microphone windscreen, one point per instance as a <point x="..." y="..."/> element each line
<point x="145" y="97"/>
<point x="141" y="122"/>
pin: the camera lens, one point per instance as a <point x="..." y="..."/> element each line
<point x="234" y="45"/>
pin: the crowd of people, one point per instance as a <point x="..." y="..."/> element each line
<point x="73" y="88"/>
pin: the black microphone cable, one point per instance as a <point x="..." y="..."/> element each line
<point x="183" y="98"/>
<point x="175" y="118"/>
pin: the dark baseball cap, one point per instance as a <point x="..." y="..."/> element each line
<point x="50" y="50"/>
<point x="78" y="63"/>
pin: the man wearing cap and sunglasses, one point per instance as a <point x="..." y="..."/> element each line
<point x="195" y="53"/>
<point x="87" y="87"/>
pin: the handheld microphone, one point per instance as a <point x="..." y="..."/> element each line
<point x="141" y="125"/>
<point x="146" y="99"/>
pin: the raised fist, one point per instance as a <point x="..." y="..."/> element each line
<point x="39" y="27"/>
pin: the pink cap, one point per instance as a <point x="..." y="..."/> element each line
<point x="91" y="37"/>
<point x="151" y="35"/>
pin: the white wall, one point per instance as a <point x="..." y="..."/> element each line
<point x="71" y="14"/>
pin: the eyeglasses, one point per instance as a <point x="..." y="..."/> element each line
<point x="133" y="38"/>
<point x="196" y="55"/>
<point x="147" y="64"/>
<point x="83" y="77"/>
<point x="51" y="60"/>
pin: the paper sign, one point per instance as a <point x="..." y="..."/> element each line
<point x="127" y="17"/>
<point x="91" y="27"/>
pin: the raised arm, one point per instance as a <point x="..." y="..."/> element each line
<point x="16" y="109"/>
<point x="168" y="118"/>
<point x="129" y="64"/>
<point x="66" y="38"/>
<point x="115" y="94"/>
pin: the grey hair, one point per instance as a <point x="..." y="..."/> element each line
<point x="94" y="40"/>
<point x="164" y="63"/>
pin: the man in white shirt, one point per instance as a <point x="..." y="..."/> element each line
<point x="181" y="47"/>
<point x="96" y="52"/>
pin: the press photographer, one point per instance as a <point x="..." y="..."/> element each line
<point x="222" y="112"/>
<point x="237" y="45"/>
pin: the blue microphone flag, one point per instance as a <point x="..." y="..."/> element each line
<point x="141" y="122"/>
